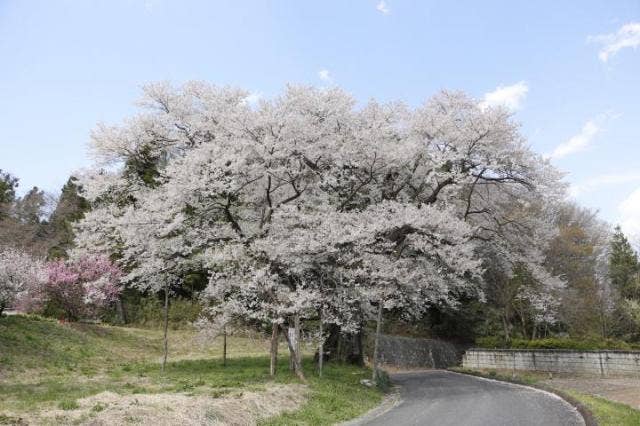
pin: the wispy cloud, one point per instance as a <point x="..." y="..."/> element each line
<point x="627" y="36"/>
<point x="629" y="213"/>
<point x="510" y="97"/>
<point x="601" y="181"/>
<point x="583" y="139"/>
<point x="325" y="75"/>
<point x="578" y="142"/>
<point x="382" y="7"/>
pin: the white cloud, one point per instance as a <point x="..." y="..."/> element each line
<point x="598" y="182"/>
<point x="627" y="36"/>
<point x="325" y="76"/>
<point x="577" y="143"/>
<point x="629" y="211"/>
<point x="510" y="97"/>
<point x="253" y="98"/>
<point x="383" y="8"/>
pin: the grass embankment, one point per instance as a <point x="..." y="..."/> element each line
<point x="46" y="365"/>
<point x="606" y="413"/>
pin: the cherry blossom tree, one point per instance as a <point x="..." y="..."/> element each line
<point x="306" y="206"/>
<point x="18" y="272"/>
<point x="388" y="256"/>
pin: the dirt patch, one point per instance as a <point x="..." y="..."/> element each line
<point x="164" y="409"/>
<point x="624" y="390"/>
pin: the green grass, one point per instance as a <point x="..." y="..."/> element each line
<point x="44" y="364"/>
<point x="337" y="396"/>
<point x="606" y="412"/>
<point x="521" y="377"/>
<point x="68" y="404"/>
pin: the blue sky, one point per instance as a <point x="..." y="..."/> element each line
<point x="570" y="71"/>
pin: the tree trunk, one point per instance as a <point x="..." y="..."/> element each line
<point x="120" y="312"/>
<point x="341" y="347"/>
<point x="321" y="348"/>
<point x="274" y="349"/>
<point x="297" y="366"/>
<point x="603" y="322"/>
<point x="524" y="327"/>
<point x="377" y="342"/>
<point x="546" y="330"/>
<point x="294" y="336"/>
<point x="505" y="324"/>
<point x="166" y="325"/>
<point x="224" y="345"/>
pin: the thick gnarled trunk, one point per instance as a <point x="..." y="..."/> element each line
<point x="295" y="358"/>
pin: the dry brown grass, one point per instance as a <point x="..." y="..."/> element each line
<point x="165" y="409"/>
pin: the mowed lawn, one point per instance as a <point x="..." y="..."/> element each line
<point x="45" y="365"/>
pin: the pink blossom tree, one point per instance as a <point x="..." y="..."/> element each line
<point x="79" y="288"/>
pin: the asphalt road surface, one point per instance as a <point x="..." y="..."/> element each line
<point x="444" y="398"/>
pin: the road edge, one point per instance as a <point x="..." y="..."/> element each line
<point x="390" y="400"/>
<point x="584" y="412"/>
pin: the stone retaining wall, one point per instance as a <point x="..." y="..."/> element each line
<point x="406" y="352"/>
<point x="592" y="363"/>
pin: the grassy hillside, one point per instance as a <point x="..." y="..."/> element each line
<point x="34" y="342"/>
<point x="47" y="365"/>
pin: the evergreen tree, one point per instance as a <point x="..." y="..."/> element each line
<point x="8" y="185"/>
<point x="624" y="269"/>
<point x="71" y="207"/>
<point x="30" y="209"/>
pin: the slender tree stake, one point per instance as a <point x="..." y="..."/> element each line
<point x="298" y="351"/>
<point x="166" y="324"/>
<point x="377" y="342"/>
<point x="274" y="349"/>
<point x="321" y="348"/>
<point x="224" y="345"/>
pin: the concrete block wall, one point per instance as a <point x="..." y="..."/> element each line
<point x="591" y="363"/>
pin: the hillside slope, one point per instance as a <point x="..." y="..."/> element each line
<point x="63" y="373"/>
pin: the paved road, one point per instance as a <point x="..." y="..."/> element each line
<point x="443" y="398"/>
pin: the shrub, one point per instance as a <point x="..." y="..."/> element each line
<point x="494" y="342"/>
<point x="383" y="382"/>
